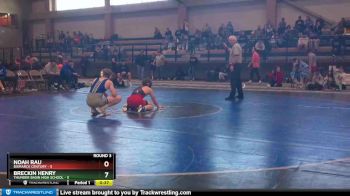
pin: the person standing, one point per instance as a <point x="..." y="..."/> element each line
<point x="159" y="62"/>
<point x="192" y="65"/>
<point x="234" y="68"/>
<point x="140" y="62"/>
<point x="312" y="62"/>
<point x="255" y="66"/>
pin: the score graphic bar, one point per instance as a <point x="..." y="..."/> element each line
<point x="71" y="168"/>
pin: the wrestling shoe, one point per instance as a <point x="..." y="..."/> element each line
<point x="94" y="112"/>
<point x="125" y="108"/>
<point x="141" y="109"/>
<point x="102" y="110"/>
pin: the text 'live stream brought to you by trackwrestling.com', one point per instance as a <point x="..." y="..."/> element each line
<point x="96" y="192"/>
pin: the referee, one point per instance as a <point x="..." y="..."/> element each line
<point x="234" y="68"/>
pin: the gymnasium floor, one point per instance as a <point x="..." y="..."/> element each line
<point x="271" y="140"/>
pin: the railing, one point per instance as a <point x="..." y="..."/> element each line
<point x="10" y="54"/>
<point x="132" y="50"/>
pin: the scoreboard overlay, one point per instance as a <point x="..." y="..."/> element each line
<point x="61" y="169"/>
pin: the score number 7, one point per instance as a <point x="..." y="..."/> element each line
<point x="106" y="164"/>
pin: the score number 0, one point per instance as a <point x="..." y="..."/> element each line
<point x="106" y="164"/>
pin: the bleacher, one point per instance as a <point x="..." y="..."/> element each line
<point x="133" y="46"/>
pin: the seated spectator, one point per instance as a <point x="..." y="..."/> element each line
<point x="2" y="77"/>
<point x="339" y="78"/>
<point x="329" y="80"/>
<point x="52" y="74"/>
<point x="68" y="75"/>
<point x="124" y="72"/>
<point x="317" y="82"/>
<point x="304" y="70"/>
<point x="223" y="75"/>
<point x="274" y="40"/>
<point x="179" y="74"/>
<point x="17" y="65"/>
<point x="122" y="76"/>
<point x="212" y="75"/>
<point x="276" y="77"/>
<point x="303" y="42"/>
<point x="27" y="63"/>
<point x="314" y="41"/>
<point x="35" y="64"/>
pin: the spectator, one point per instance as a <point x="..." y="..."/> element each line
<point x="192" y="65"/>
<point x="282" y="26"/>
<point x="229" y="29"/>
<point x="68" y="75"/>
<point x="260" y="47"/>
<point x="159" y="62"/>
<point x="314" y="41"/>
<point x="329" y="79"/>
<point x="309" y="24"/>
<point x="268" y="30"/>
<point x="304" y="70"/>
<point x="157" y="34"/>
<point x="222" y="31"/>
<point x="319" y="25"/>
<point x="312" y="62"/>
<point x="295" y="75"/>
<point x="259" y="33"/>
<point x="179" y="74"/>
<point x="84" y="63"/>
<point x="153" y="65"/>
<point x="124" y="72"/>
<point x="303" y="42"/>
<point x="300" y="25"/>
<point x="339" y="78"/>
<point x="169" y="35"/>
<point x="52" y="74"/>
<point x="2" y="77"/>
<point x="34" y="63"/>
<point x="340" y="28"/>
<point x="222" y="74"/>
<point x="276" y="77"/>
<point x="255" y="66"/>
<point x="317" y="82"/>
<point x="140" y="62"/>
<point x="123" y="76"/>
<point x="206" y="31"/>
<point x="186" y="28"/>
<point x="12" y="80"/>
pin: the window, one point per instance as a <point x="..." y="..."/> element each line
<point x="125" y="2"/>
<point x="62" y="5"/>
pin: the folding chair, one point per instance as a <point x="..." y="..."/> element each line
<point x="23" y="80"/>
<point x="38" y="79"/>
